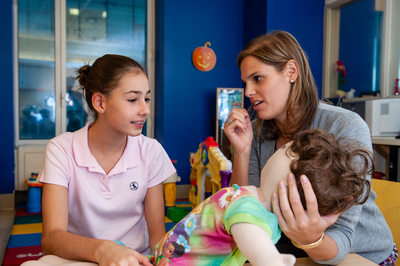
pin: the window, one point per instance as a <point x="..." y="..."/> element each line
<point x="55" y="38"/>
<point x="36" y="106"/>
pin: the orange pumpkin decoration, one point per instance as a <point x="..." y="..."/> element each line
<point x="204" y="58"/>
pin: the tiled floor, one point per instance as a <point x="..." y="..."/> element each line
<point x="6" y="221"/>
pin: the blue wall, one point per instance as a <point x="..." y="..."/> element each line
<point x="254" y="19"/>
<point x="305" y="20"/>
<point x="359" y="46"/>
<point x="6" y="96"/>
<point x="185" y="96"/>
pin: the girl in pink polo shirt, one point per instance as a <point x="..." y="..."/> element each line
<point x="103" y="183"/>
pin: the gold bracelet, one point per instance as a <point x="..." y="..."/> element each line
<point x="309" y="246"/>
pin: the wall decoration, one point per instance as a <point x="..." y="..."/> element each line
<point x="204" y="58"/>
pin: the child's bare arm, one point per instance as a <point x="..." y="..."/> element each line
<point x="58" y="241"/>
<point x="154" y="213"/>
<point x="256" y="245"/>
<point x="55" y="238"/>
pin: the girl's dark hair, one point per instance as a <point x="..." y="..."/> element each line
<point x="276" y="49"/>
<point x="336" y="169"/>
<point x="105" y="73"/>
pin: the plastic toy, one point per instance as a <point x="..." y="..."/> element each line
<point x="33" y="204"/>
<point x="175" y="214"/>
<point x="169" y="186"/>
<point x="211" y="171"/>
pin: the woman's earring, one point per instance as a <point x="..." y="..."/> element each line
<point x="292" y="81"/>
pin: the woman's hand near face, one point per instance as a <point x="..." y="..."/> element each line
<point x="238" y="130"/>
<point x="303" y="226"/>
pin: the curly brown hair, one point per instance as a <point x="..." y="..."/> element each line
<point x="105" y="73"/>
<point x="337" y="170"/>
<point x="276" y="49"/>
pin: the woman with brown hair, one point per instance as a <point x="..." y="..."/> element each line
<point x="281" y="88"/>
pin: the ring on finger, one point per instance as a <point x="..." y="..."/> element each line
<point x="230" y="121"/>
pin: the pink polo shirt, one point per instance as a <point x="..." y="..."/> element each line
<point x="106" y="206"/>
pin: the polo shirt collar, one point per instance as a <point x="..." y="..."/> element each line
<point x="84" y="158"/>
<point x="131" y="156"/>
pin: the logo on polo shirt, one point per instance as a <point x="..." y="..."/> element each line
<point x="134" y="185"/>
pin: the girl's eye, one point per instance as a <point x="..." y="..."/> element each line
<point x="147" y="100"/>
<point x="257" y="78"/>
<point x="132" y="100"/>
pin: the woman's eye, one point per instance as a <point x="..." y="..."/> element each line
<point x="132" y="100"/>
<point x="147" y="100"/>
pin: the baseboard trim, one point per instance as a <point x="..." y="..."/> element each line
<point x="7" y="201"/>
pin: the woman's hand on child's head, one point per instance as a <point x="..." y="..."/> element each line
<point x="111" y="253"/>
<point x="238" y="129"/>
<point x="300" y="225"/>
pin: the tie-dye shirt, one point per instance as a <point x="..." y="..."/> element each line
<point x="203" y="237"/>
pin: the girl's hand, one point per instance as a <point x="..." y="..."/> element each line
<point x="238" y="129"/>
<point x="301" y="226"/>
<point x="111" y="253"/>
